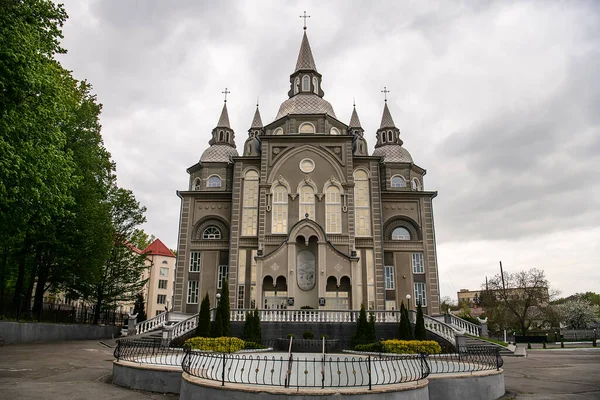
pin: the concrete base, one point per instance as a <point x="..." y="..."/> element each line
<point x="483" y="385"/>
<point x="152" y="378"/>
<point x="30" y="332"/>
<point x="193" y="388"/>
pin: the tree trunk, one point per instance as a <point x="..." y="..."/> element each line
<point x="18" y="295"/>
<point x="3" y="273"/>
<point x="42" y="275"/>
<point x="32" y="279"/>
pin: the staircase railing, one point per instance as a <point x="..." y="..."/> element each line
<point x="185" y="326"/>
<point x="152" y="323"/>
<point x="461" y="324"/>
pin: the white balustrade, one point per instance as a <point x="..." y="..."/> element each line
<point x="185" y="326"/>
<point x="151" y="324"/>
<point x="468" y="327"/>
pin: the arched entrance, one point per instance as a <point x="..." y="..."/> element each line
<point x="275" y="294"/>
<point x="339" y="296"/>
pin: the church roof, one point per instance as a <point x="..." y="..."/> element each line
<point x="158" y="248"/>
<point x="354" y="121"/>
<point x="305" y="104"/>
<point x="305" y="57"/>
<point x="256" y="121"/>
<point x="393" y="154"/>
<point x="386" y="118"/>
<point x="219" y="152"/>
<point x="224" y="119"/>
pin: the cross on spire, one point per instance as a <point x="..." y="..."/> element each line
<point x="305" y="16"/>
<point x="226" y="92"/>
<point x="385" y="92"/>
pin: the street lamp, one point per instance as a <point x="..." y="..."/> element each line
<point x="408" y="300"/>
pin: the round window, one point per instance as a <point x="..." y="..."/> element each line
<point x="307" y="165"/>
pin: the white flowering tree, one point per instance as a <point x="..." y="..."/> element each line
<point x="578" y="313"/>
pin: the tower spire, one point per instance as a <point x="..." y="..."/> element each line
<point x="305" y="56"/>
<point x="386" y="118"/>
<point x="224" y="118"/>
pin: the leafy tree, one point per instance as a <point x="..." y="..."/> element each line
<point x="578" y="314"/>
<point x="141" y="239"/>
<point x="420" y="332"/>
<point x="203" y="329"/>
<point x="404" y="328"/>
<point x="252" y="329"/>
<point x="362" y="328"/>
<point x="225" y="308"/>
<point x="371" y="332"/>
<point x="139" y="308"/>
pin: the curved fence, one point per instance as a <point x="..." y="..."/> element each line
<point x="469" y="359"/>
<point x="149" y="351"/>
<point x="306" y="372"/>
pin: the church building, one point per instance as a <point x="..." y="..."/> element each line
<point x="306" y="217"/>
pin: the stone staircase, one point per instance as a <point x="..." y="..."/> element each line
<point x="479" y="342"/>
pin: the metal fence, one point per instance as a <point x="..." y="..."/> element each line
<point x="64" y="313"/>
<point x="306" y="372"/>
<point x="469" y="359"/>
<point x="148" y="351"/>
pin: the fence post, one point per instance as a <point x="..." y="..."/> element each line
<point x="369" y="371"/>
<point x="498" y="359"/>
<point x="223" y="373"/>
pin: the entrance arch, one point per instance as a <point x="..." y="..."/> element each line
<point x="339" y="295"/>
<point x="275" y="294"/>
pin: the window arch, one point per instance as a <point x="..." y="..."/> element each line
<point x="398" y="181"/>
<point x="383" y="137"/>
<point x="315" y="85"/>
<point x="211" y="233"/>
<point x="335" y="131"/>
<point x="250" y="204"/>
<point x="390" y="137"/>
<point x="214" y="181"/>
<point x="362" y="203"/>
<point x="296" y="85"/>
<point x="306" y="127"/>
<point x="278" y="131"/>
<point x="279" y="215"/>
<point x="196" y="185"/>
<point x="220" y="136"/>
<point x="400" y="233"/>
<point x="333" y="210"/>
<point x="416" y="185"/>
<point x="307" y="202"/>
<point x="306" y="83"/>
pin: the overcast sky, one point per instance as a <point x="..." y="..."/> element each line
<point x="500" y="102"/>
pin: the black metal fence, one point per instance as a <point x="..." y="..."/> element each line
<point x="149" y="351"/>
<point x="306" y="372"/>
<point x="469" y="359"/>
<point x="64" y="313"/>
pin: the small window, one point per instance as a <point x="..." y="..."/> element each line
<point x="400" y="233"/>
<point x="398" y="181"/>
<point x="196" y="185"/>
<point x="315" y="85"/>
<point x="420" y="296"/>
<point x="223" y="274"/>
<point x="278" y="131"/>
<point x="212" y="232"/>
<point x="389" y="277"/>
<point x="307" y="127"/>
<point x="335" y="131"/>
<point x="390" y="137"/>
<point x="161" y="299"/>
<point x="213" y="182"/>
<point x="195" y="261"/>
<point x="307" y="165"/>
<point x="417" y="262"/>
<point x="220" y="136"/>
<point x="383" y="138"/>
<point x="192" y="297"/>
<point x="162" y="283"/>
<point x="416" y="186"/>
<point x="296" y="85"/>
<point x="164" y="262"/>
<point x="306" y="83"/>
<point x="164" y="271"/>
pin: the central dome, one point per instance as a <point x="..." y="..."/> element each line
<point x="305" y="104"/>
<point x="219" y="153"/>
<point x="393" y="154"/>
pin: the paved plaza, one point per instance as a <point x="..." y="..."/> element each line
<point x="82" y="370"/>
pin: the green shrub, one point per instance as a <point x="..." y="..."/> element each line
<point x="308" y="335"/>
<point x="291" y="336"/>
<point x="253" y="345"/>
<point x="252" y="328"/>
<point x="371" y="347"/>
<point x="222" y="344"/>
<point x="411" y="346"/>
<point x="365" y="329"/>
<point x="324" y="336"/>
<point x="420" y="332"/>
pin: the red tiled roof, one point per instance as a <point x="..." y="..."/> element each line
<point x="158" y="248"/>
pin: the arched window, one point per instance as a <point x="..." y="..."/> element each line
<point x="333" y="210"/>
<point x="213" y="182"/>
<point x="250" y="204"/>
<point x="306" y="83"/>
<point x="400" y="233"/>
<point x="279" y="215"/>
<point x="220" y="136"/>
<point x="307" y="202"/>
<point x="390" y="137"/>
<point x="306" y="127"/>
<point x="196" y="185"/>
<point x="416" y="186"/>
<point x="362" y="204"/>
<point x="296" y="85"/>
<point x="211" y="232"/>
<point x="398" y="181"/>
<point x="315" y="85"/>
<point x="335" y="131"/>
<point x="383" y="137"/>
<point x="278" y="131"/>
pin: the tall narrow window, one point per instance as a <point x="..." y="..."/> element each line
<point x="416" y="186"/>
<point x="417" y="262"/>
<point x="241" y="281"/>
<point x="315" y="85"/>
<point x="197" y="184"/>
<point x="250" y="203"/>
<point x="307" y="202"/>
<point x="306" y="83"/>
<point x="333" y="210"/>
<point x="195" y="261"/>
<point x="192" y="297"/>
<point x="420" y="296"/>
<point x="296" y="85"/>
<point x="253" y="279"/>
<point x="279" y="215"/>
<point x="362" y="204"/>
<point x="389" y="277"/>
<point x="370" y="279"/>
<point x="223" y="274"/>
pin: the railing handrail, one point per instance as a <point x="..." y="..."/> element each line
<point x="469" y="327"/>
<point x="152" y="323"/>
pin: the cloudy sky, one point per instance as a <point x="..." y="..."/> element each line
<point x="500" y="102"/>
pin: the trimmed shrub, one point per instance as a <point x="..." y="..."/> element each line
<point x="222" y="344"/>
<point x="203" y="329"/>
<point x="411" y="346"/>
<point x="420" y="332"/>
<point x="308" y="335"/>
<point x="370" y="347"/>
<point x="365" y="330"/>
<point x="291" y="336"/>
<point x="252" y="328"/>
<point x="324" y="336"/>
<point x="253" y="345"/>
<point x="404" y="329"/>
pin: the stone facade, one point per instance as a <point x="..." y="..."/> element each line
<point x="306" y="217"/>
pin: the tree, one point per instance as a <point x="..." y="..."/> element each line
<point x="252" y="329"/>
<point x="404" y="329"/>
<point x="225" y="309"/>
<point x="362" y="328"/>
<point x="139" y="308"/>
<point x="578" y="314"/>
<point x="141" y="239"/>
<point x="420" y="332"/>
<point x="203" y="329"/>
<point x="448" y="304"/>
<point x="519" y="298"/>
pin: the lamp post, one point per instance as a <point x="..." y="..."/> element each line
<point x="408" y="300"/>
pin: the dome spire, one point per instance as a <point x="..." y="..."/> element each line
<point x="305" y="56"/>
<point x="354" y="120"/>
<point x="224" y="118"/>
<point x="257" y="120"/>
<point x="386" y="118"/>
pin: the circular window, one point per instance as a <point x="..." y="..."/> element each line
<point x="307" y="165"/>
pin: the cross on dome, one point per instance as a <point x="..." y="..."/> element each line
<point x="385" y="92"/>
<point x="226" y="92"/>
<point x="305" y="16"/>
